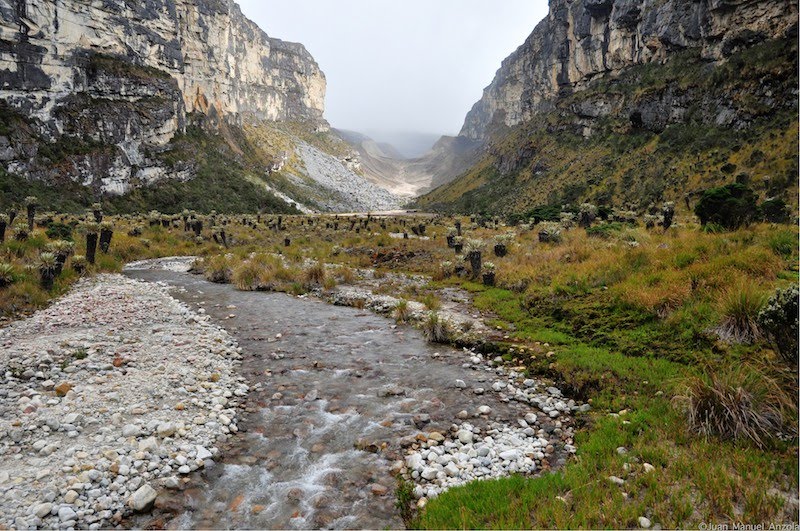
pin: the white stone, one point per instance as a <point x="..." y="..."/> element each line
<point x="143" y="498"/>
<point x="43" y="509"/>
<point x="203" y="453"/>
<point x="429" y="473"/>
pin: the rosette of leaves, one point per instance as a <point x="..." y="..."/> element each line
<point x="473" y="251"/>
<point x="778" y="320"/>
<point x="79" y="263"/>
<point x="47" y="270"/>
<point x="549" y="232"/>
<point x="489" y="274"/>
<point x="7" y="275"/>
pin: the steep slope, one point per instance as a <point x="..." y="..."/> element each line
<point x="409" y="178"/>
<point x="94" y="94"/>
<point x="634" y="101"/>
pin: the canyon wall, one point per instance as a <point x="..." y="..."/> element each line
<point x="581" y="40"/>
<point x="111" y="82"/>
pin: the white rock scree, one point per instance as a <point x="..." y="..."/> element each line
<point x="114" y="392"/>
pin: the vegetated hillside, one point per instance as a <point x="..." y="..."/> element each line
<point x="257" y="166"/>
<point x="143" y="106"/>
<point x="655" y="132"/>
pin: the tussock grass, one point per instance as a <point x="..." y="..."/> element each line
<point x="401" y="311"/>
<point x="738" y="403"/>
<point x="315" y="274"/>
<point x="431" y="302"/>
<point x="739" y="308"/>
<point x="436" y="328"/>
<point x="218" y="268"/>
<point x="246" y="276"/>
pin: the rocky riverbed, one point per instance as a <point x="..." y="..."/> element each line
<point x="124" y="391"/>
<point x="343" y="400"/>
<point x="114" y="392"/>
<point x="437" y="462"/>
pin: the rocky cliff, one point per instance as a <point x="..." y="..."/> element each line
<point x="94" y="91"/>
<point x="633" y="102"/>
<point x="581" y="40"/>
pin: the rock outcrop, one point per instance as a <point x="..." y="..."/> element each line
<point x="117" y="80"/>
<point x="581" y="40"/>
<point x="636" y="102"/>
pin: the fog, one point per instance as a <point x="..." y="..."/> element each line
<point x="412" y="66"/>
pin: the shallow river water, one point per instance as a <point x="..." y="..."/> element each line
<point x="332" y="379"/>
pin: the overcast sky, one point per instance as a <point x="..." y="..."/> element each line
<point x="401" y="65"/>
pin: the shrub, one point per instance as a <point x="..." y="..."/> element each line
<point x="774" y="210"/>
<point x="604" y="230"/>
<point x="729" y="206"/>
<point x="739" y="309"/>
<point x="779" y="322"/>
<point x="59" y="231"/>
<point x="544" y="213"/>
<point x="737" y="403"/>
<point x="437" y="329"/>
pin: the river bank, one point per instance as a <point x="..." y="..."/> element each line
<point x="115" y="391"/>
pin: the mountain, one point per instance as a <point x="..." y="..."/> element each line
<point x="159" y="104"/>
<point x="636" y="101"/>
<point x="405" y="177"/>
<point x="408" y="145"/>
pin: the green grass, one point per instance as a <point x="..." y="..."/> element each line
<point x="695" y="480"/>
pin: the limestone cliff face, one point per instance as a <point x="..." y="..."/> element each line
<point x="581" y="40"/>
<point x="126" y="74"/>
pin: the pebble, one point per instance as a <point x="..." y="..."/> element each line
<point x="644" y="522"/>
<point x="67" y="513"/>
<point x="43" y="509"/>
<point x="143" y="498"/>
<point x="465" y="436"/>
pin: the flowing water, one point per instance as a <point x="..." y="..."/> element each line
<point x="333" y="380"/>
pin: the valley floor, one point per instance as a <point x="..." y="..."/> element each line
<point x="621" y="318"/>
